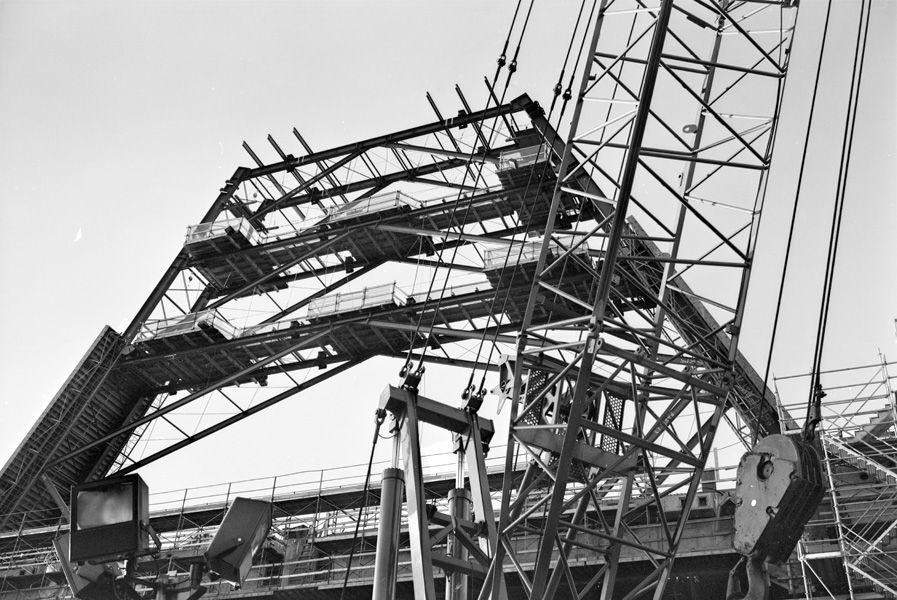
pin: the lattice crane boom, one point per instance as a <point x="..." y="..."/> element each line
<point x="674" y="126"/>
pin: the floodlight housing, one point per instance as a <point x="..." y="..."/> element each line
<point x="238" y="539"/>
<point x="110" y="520"/>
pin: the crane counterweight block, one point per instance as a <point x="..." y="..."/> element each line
<point x="779" y="489"/>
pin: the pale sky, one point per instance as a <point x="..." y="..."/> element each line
<point x="119" y="122"/>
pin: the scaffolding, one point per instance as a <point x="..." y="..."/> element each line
<point x="315" y="514"/>
<point x="856" y="529"/>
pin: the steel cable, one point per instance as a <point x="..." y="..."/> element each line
<point x="797" y="198"/>
<point x="815" y="392"/>
<point x="541" y="179"/>
<point x="407" y="366"/>
<point x="380" y="417"/>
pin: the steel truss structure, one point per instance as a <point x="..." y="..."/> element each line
<point x="607" y="268"/>
<point x="255" y="309"/>
<point x="670" y="142"/>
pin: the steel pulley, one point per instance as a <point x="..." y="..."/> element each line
<point x="779" y="489"/>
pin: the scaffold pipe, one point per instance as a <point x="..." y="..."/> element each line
<point x="386" y="565"/>
<point x="456" y="586"/>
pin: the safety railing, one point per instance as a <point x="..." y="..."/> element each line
<point x="301" y="538"/>
<point x="857" y="399"/>
<point x="374" y="204"/>
<point x="184" y="324"/>
<point x="519" y="252"/>
<point x="369" y="297"/>
<point x="524" y="157"/>
<point x="325" y="523"/>
<point x="323" y="482"/>
<point x="215" y="229"/>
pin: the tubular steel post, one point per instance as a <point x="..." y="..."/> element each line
<point x="459" y="507"/>
<point x="456" y="583"/>
<point x="421" y="560"/>
<point x="387" y="560"/>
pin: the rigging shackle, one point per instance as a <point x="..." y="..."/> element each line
<point x="379" y="418"/>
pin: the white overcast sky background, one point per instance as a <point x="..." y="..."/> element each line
<point x="119" y="122"/>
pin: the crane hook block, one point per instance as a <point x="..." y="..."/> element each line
<point x="778" y="490"/>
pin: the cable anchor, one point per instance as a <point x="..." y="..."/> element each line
<point x="473" y="399"/>
<point x="412" y="379"/>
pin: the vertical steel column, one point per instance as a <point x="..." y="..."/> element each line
<point x="613" y="555"/>
<point x="459" y="508"/>
<point x="482" y="506"/>
<point x="418" y="523"/>
<point x="479" y="489"/>
<point x="387" y="561"/>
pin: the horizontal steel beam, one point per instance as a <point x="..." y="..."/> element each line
<point x="522" y="102"/>
<point x="396" y="399"/>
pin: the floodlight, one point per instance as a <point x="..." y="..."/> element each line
<point x="239" y="537"/>
<point x="110" y="520"/>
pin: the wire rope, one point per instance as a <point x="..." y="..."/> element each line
<point x="491" y="313"/>
<point x="502" y="59"/>
<point x="815" y="393"/>
<point x="791" y="228"/>
<point x="509" y="288"/>
<point x="557" y="87"/>
<point x="512" y="68"/>
<point x="566" y="97"/>
<point x="406" y="368"/>
<point x="514" y="271"/>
